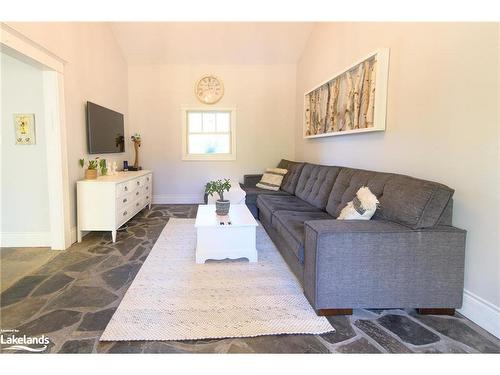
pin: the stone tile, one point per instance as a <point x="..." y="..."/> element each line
<point x="111" y="262"/>
<point x="127" y="347"/>
<point x="121" y="275"/>
<point x="53" y="321"/>
<point x="85" y="265"/>
<point x="343" y="329"/>
<point x="461" y="332"/>
<point x="138" y="252"/>
<point x="13" y="316"/>
<point x="285" y="344"/>
<point x="96" y="321"/>
<point x="83" y="296"/>
<point x="408" y="330"/>
<point x="385" y="340"/>
<point x="20" y="289"/>
<point x="78" y="346"/>
<point x="155" y="214"/>
<point x="360" y="346"/>
<point x="101" y="249"/>
<point x="124" y="247"/>
<point x="66" y="258"/>
<point x="52" y="284"/>
<point x="137" y="231"/>
<point x="156" y="347"/>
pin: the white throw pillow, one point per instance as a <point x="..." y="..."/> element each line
<point x="362" y="207"/>
<point x="272" y="179"/>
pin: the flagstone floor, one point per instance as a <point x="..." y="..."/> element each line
<point x="71" y="297"/>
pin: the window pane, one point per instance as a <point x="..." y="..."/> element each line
<point x="223" y="122"/>
<point x="194" y="122"/>
<point x="209" y="144"/>
<point x="208" y="122"/>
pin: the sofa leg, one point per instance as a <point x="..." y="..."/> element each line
<point x="436" y="311"/>
<point x="333" y="312"/>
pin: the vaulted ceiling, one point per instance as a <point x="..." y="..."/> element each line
<point x="215" y="43"/>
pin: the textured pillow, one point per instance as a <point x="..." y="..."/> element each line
<point x="272" y="179"/>
<point x="362" y="207"/>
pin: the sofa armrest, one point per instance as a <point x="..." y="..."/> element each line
<point x="381" y="264"/>
<point x="250" y="180"/>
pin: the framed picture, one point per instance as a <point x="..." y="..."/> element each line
<point x="24" y="128"/>
<point x="353" y="101"/>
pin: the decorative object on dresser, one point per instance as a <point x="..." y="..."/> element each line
<point x="209" y="89"/>
<point x="353" y="101"/>
<point x="91" y="171"/>
<point x="136" y="139"/>
<point x="220" y="237"/>
<point x="219" y="186"/>
<point x="108" y="202"/>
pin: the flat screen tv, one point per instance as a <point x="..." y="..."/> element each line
<point x="105" y="130"/>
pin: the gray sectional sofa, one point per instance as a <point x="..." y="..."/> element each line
<point x="407" y="256"/>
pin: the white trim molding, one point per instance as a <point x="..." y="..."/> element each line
<point x="178" y="199"/>
<point x="25" y="239"/>
<point x="481" y="312"/>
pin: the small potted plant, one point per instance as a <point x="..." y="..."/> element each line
<point x="91" y="171"/>
<point x="219" y="187"/>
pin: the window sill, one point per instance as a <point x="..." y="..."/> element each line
<point x="191" y="157"/>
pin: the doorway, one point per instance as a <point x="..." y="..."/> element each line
<point x="35" y="184"/>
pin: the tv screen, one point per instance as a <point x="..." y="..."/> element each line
<point x="105" y="130"/>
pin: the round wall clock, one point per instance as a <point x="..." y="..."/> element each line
<point x="209" y="89"/>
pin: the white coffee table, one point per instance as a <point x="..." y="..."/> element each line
<point x="216" y="241"/>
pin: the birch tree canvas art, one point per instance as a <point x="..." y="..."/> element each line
<point x="353" y="101"/>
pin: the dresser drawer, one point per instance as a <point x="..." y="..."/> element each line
<point x="124" y="213"/>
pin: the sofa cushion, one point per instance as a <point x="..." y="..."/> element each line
<point x="403" y="199"/>
<point x="413" y="202"/>
<point x="292" y="177"/>
<point x="348" y="182"/>
<point x="315" y="184"/>
<point x="253" y="192"/>
<point x="268" y="204"/>
<point x="290" y="226"/>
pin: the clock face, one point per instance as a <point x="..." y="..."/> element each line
<point x="209" y="89"/>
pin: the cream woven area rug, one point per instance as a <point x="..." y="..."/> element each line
<point x="173" y="298"/>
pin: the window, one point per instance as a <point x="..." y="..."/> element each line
<point x="208" y="134"/>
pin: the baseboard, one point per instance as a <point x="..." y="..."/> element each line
<point x="74" y="235"/>
<point x="481" y="312"/>
<point x="178" y="198"/>
<point x="25" y="239"/>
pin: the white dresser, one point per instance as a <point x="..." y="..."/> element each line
<point x="110" y="201"/>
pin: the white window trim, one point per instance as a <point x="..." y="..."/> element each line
<point x="208" y="157"/>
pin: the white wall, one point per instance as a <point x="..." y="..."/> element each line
<point x="24" y="200"/>
<point x="95" y="71"/>
<point x="442" y="125"/>
<point x="264" y="96"/>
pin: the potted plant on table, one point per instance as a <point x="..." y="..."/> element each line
<point x="91" y="171"/>
<point x="219" y="187"/>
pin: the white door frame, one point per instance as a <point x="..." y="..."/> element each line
<point x="55" y="128"/>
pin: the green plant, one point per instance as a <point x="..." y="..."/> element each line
<point x="218" y="186"/>
<point x="103" y="167"/>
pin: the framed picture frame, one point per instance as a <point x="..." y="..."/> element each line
<point x="24" y="124"/>
<point x="353" y="101"/>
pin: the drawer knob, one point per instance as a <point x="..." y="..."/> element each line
<point x="137" y="182"/>
<point x="137" y="193"/>
<point x="147" y="197"/>
<point x="147" y="187"/>
<point x="126" y="188"/>
<point x="124" y="200"/>
<point x="147" y="179"/>
<point x="124" y="213"/>
<point x="137" y="204"/>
